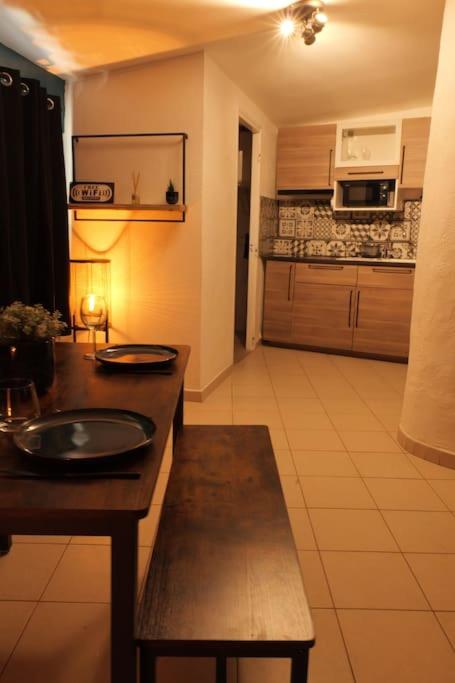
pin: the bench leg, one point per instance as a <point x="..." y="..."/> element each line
<point x="221" y="672"/>
<point x="299" y="668"/>
<point x="148" y="666"/>
<point x="5" y="544"/>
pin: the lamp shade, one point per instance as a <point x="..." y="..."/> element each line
<point x="89" y="276"/>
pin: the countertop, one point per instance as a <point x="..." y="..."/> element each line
<point x="354" y="261"/>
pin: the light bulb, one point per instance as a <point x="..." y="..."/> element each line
<point x="287" y="27"/>
<point x="320" y="18"/>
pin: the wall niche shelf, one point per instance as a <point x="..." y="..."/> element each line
<point x="124" y="212"/>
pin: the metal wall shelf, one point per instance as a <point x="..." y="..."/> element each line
<point x="149" y="213"/>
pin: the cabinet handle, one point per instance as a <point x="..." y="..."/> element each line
<point x="350" y="308"/>
<point x="322" y="267"/>
<point x="365" y="172"/>
<point x="289" y="281"/>
<point x="393" y="270"/>
<point x="403" y="153"/>
<point x="330" y="166"/>
<point x="357" y="311"/>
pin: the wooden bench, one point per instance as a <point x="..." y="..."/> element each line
<point x="224" y="578"/>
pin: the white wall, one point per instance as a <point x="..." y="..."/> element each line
<point x="156" y="267"/>
<point x="224" y="104"/>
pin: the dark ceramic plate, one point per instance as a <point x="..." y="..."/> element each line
<point x="136" y="354"/>
<point x="84" y="435"/>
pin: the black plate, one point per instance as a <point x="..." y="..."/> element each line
<point x="136" y="355"/>
<point x="85" y="435"/>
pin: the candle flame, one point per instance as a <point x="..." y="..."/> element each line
<point x="91" y="302"/>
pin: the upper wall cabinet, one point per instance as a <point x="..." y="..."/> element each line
<point x="414" y="140"/>
<point x="367" y="144"/>
<point x="305" y="157"/>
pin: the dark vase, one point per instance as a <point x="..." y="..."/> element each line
<point x="172" y="197"/>
<point x="31" y="360"/>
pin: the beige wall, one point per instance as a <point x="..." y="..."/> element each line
<point x="174" y="282"/>
<point x="429" y="405"/>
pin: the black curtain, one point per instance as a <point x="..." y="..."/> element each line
<point x="34" y="242"/>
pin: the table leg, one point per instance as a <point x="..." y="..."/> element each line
<point x="221" y="670"/>
<point x="178" y="417"/>
<point x="299" y="668"/>
<point x="5" y="544"/>
<point x="123" y="601"/>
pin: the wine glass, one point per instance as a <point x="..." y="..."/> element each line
<point x="94" y="316"/>
<point x="18" y="403"/>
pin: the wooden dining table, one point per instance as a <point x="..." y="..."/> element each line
<point x="99" y="507"/>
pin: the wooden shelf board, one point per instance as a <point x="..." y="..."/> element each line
<point x="128" y="207"/>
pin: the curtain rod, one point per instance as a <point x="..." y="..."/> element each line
<point x="7" y="80"/>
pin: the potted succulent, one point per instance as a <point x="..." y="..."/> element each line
<point x="172" y="196"/>
<point x="27" y="335"/>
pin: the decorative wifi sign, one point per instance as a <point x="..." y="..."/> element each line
<point x="91" y="193"/>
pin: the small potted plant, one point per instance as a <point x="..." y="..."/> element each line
<point x="27" y="335"/>
<point x="172" y="196"/>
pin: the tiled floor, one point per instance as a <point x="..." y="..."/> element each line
<point x="374" y="527"/>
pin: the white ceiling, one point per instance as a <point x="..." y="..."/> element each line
<point x="374" y="55"/>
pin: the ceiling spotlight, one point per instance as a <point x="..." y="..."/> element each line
<point x="304" y="18"/>
<point x="287" y="27"/>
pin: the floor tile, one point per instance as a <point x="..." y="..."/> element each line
<point x="429" y="470"/>
<point x="285" y="462"/>
<point x="270" y="418"/>
<point x="63" y="643"/>
<point x="446" y="491"/>
<point x="422" y="532"/>
<point x="346" y="407"/>
<point x="314" y="440"/>
<point x="201" y="415"/>
<point x="253" y="670"/>
<point x="336" y="492"/>
<point x="299" y="406"/>
<point x="298" y="388"/>
<point x="435" y="573"/>
<point x="316" y="587"/>
<point x="279" y="439"/>
<point x="324" y="463"/>
<point x="292" y="491"/>
<point x="372" y="581"/>
<point x="357" y="423"/>
<point x="382" y="407"/>
<point x="394" y="465"/>
<point x="160" y="488"/>
<point x="26" y="570"/>
<point x="447" y="621"/>
<point x="301" y="529"/>
<point x="252" y="390"/>
<point x="13" y="619"/>
<point x="351" y="530"/>
<point x="296" y="419"/>
<point x="411" y="494"/>
<point x="328" y="659"/>
<point x="83" y="574"/>
<point x="59" y="540"/>
<point x="393" y="646"/>
<point x="255" y="403"/>
<point x="369" y="442"/>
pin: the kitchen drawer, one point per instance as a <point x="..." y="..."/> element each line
<point x="325" y="274"/>
<point x="390" y="277"/>
<point x="367" y="172"/>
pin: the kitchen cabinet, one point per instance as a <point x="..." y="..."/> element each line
<point x="278" y="294"/>
<point x="305" y="157"/>
<point x="364" y="309"/>
<point x="414" y="145"/>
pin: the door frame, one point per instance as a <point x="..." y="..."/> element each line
<point x="255" y="268"/>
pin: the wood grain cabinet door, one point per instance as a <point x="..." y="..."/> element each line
<point x="382" y="321"/>
<point x="323" y="315"/>
<point x="278" y="291"/>
<point x="305" y="157"/>
<point x="414" y="139"/>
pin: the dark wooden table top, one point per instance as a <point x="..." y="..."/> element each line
<point x="224" y="569"/>
<point x="80" y="384"/>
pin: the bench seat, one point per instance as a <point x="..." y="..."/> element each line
<point x="224" y="578"/>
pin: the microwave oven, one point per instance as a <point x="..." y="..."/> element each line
<point x="368" y="193"/>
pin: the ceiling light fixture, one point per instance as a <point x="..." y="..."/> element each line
<point x="305" y="19"/>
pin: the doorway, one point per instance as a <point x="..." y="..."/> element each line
<point x="245" y="149"/>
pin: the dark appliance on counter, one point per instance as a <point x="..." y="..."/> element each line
<point x="368" y="193"/>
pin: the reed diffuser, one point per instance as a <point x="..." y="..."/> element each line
<point x="135" y="198"/>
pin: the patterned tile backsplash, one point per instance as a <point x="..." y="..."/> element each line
<point x="310" y="228"/>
